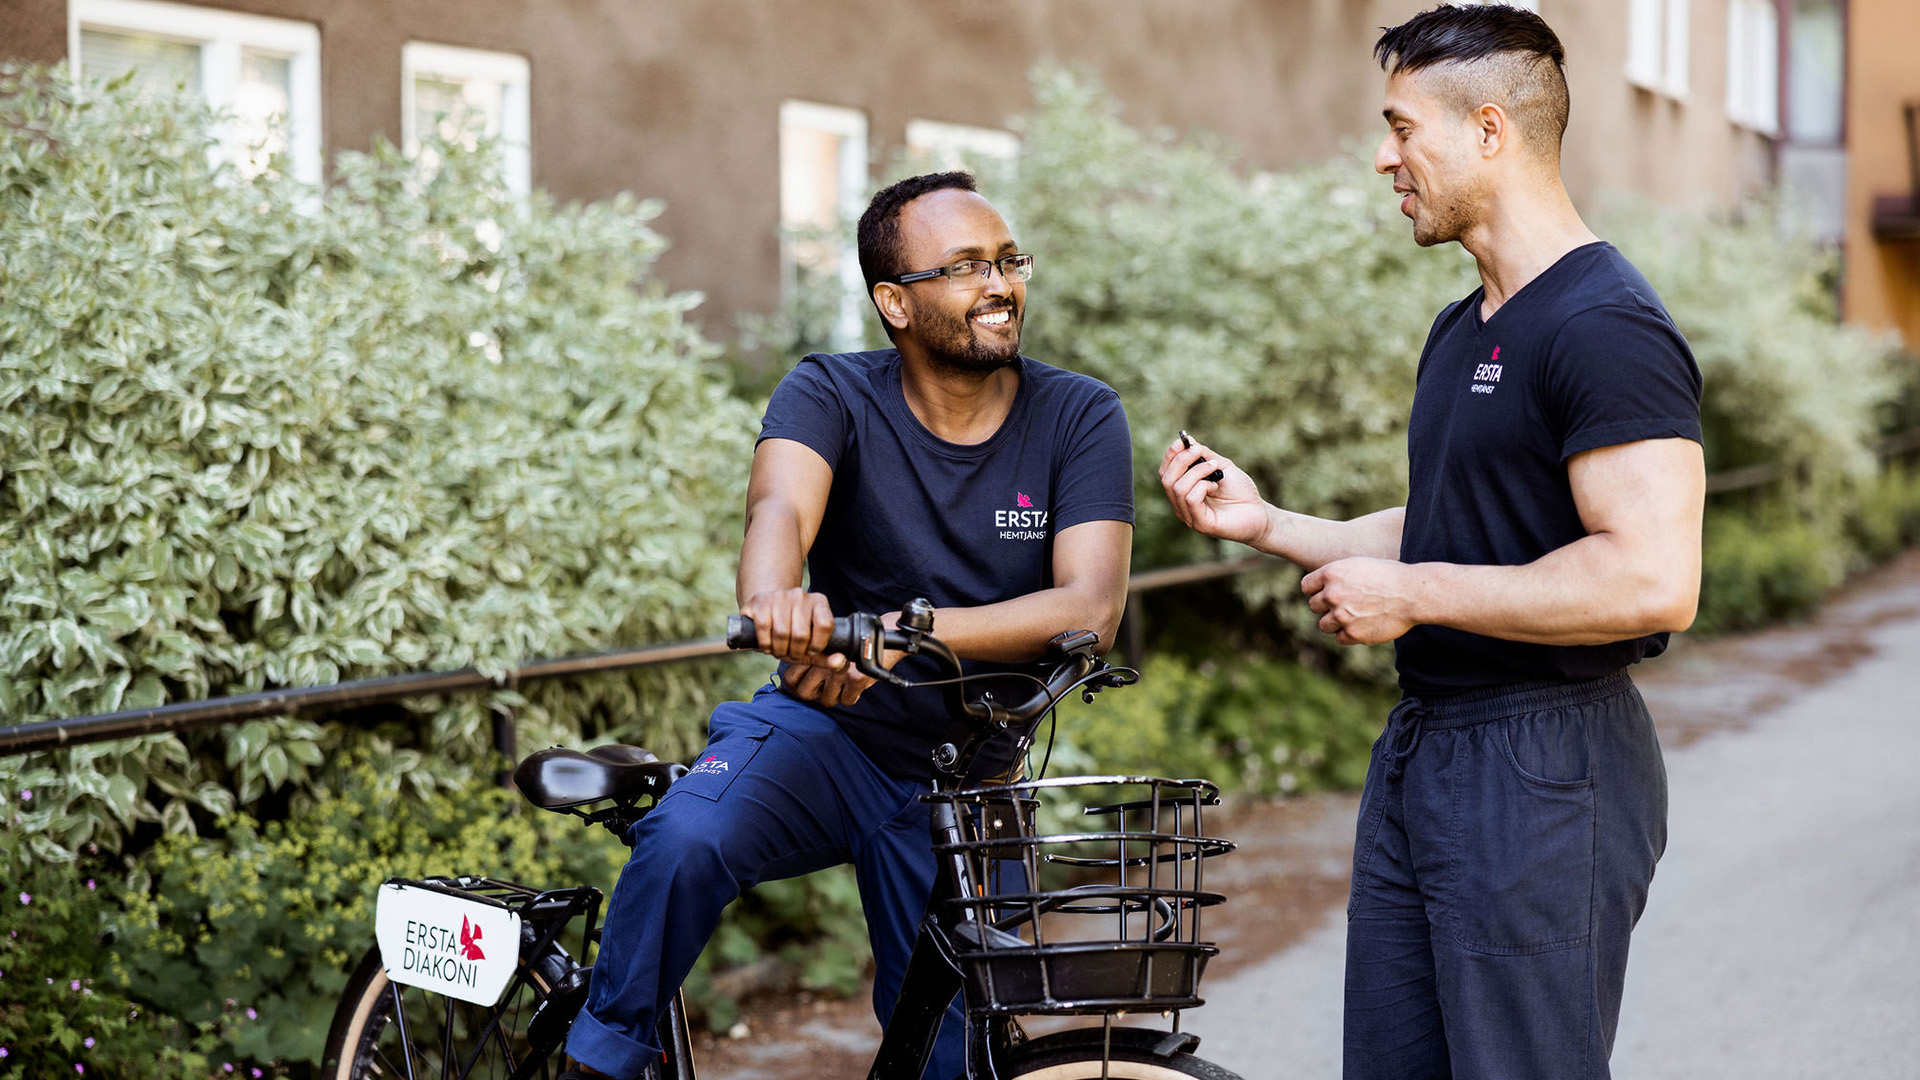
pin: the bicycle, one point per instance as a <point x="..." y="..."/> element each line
<point x="1022" y="922"/>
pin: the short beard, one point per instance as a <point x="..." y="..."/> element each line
<point x="952" y="344"/>
<point x="1451" y="222"/>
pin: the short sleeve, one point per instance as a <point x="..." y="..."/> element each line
<point x="1621" y="374"/>
<point x="1095" y="479"/>
<point x="807" y="408"/>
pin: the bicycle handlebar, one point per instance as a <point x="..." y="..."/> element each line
<point x="864" y="639"/>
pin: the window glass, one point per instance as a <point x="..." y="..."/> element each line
<point x="461" y="94"/>
<point x="1659" y="48"/>
<point x="159" y="65"/>
<point x="262" y="73"/>
<point x="263" y="98"/>
<point x="1816" y="57"/>
<point x="823" y="181"/>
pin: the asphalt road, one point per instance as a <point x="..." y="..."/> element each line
<point x="1782" y="937"/>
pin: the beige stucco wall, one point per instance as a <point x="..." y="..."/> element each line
<point x="1882" y="278"/>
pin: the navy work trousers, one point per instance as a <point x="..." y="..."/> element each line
<point x="780" y="791"/>
<point x="1506" y="842"/>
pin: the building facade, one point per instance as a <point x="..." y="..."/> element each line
<point x="753" y="120"/>
<point x="1882" y="286"/>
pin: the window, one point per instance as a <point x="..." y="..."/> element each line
<point x="1816" y="73"/>
<point x="823" y="176"/>
<point x="1657" y="44"/>
<point x="1753" y="64"/>
<point x="263" y="73"/>
<point x="1812" y="151"/>
<point x="933" y="146"/>
<point x="461" y="93"/>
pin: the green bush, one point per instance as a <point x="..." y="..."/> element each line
<point x="273" y="917"/>
<point x="1253" y="725"/>
<point x="1766" y="564"/>
<point x="1884" y="515"/>
<point x="1786" y="382"/>
<point x="61" y="1012"/>
<point x="254" y="435"/>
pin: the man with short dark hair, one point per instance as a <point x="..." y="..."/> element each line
<point x="1516" y="805"/>
<point x="948" y="467"/>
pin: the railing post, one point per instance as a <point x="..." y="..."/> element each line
<point x="1134" y="622"/>
<point x="506" y="742"/>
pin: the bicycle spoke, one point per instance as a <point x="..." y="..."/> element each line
<point x="400" y="1023"/>
<point x="446" y="1040"/>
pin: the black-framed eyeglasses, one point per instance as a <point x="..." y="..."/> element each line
<point x="973" y="273"/>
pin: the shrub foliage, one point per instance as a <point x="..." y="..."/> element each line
<point x="256" y="436"/>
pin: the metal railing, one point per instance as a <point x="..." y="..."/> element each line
<point x="195" y="715"/>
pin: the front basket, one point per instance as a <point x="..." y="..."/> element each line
<point x="1101" y="919"/>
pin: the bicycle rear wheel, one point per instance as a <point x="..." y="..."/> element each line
<point x="1129" y="1055"/>
<point x="385" y="1030"/>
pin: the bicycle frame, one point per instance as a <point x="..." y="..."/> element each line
<point x="934" y="973"/>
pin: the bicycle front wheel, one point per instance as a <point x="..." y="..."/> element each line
<point x="385" y="1030"/>
<point x="1085" y="1055"/>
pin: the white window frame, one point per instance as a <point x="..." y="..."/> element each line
<point x="221" y="35"/>
<point x="948" y="145"/>
<point x="851" y="126"/>
<point x="1753" y="65"/>
<point x="458" y="62"/>
<point x="1659" y="46"/>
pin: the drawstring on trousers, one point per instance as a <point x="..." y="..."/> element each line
<point x="1404" y="725"/>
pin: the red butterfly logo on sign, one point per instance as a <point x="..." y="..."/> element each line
<point x="470" y="940"/>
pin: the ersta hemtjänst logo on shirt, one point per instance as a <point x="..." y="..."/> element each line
<point x="1024" y="523"/>
<point x="1486" y="377"/>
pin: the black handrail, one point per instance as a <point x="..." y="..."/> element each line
<point x="193" y="715"/>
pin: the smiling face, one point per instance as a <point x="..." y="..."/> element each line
<point x="1431" y="151"/>
<point x="974" y="329"/>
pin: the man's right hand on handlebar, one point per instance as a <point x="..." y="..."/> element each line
<point x="794" y="625"/>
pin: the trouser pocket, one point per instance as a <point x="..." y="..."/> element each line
<point x="1523" y="841"/>
<point x="734" y="737"/>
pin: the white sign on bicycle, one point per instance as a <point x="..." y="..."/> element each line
<point x="463" y="948"/>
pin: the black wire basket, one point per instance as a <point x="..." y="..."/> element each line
<point x="1103" y="919"/>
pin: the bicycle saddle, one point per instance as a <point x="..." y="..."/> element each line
<point x="558" y="778"/>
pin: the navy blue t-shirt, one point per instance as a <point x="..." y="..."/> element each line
<point x="911" y="514"/>
<point x="1584" y="356"/>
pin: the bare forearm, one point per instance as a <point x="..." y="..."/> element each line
<point x="1019" y="629"/>
<point x="772" y="557"/>
<point x="1311" y="542"/>
<point x="1589" y="592"/>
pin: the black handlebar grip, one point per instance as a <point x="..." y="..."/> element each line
<point x="741" y="634"/>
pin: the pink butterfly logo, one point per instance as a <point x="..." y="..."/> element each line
<point x="470" y="941"/>
<point x="1496" y="353"/>
<point x="1021" y="498"/>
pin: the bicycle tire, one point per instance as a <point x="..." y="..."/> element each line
<point x="1086" y="1054"/>
<point x="365" y="1044"/>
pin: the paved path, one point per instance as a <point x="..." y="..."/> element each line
<point x="1782" y="938"/>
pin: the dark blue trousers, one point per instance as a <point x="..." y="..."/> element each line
<point x="1506" y="842"/>
<point x="780" y="791"/>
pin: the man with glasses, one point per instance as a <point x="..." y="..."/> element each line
<point x="948" y="467"/>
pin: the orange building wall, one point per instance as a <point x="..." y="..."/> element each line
<point x="1883" y="278"/>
